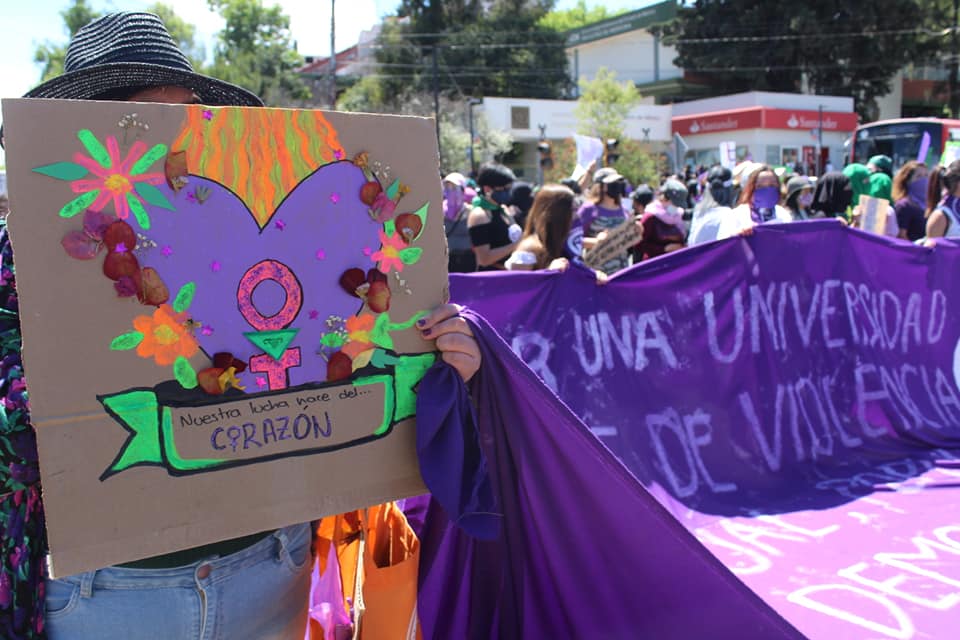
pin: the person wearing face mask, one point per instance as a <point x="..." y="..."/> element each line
<point x="494" y="233"/>
<point x="910" y="200"/>
<point x="800" y="197"/>
<point x="713" y="208"/>
<point x="603" y="210"/>
<point x="759" y="204"/>
<point x="640" y="199"/>
<point x="663" y="229"/>
<point x="943" y="202"/>
<point x="456" y="210"/>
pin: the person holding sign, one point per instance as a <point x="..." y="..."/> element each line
<point x="602" y="212"/>
<point x="252" y="587"/>
<point x="943" y="202"/>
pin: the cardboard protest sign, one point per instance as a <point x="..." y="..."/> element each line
<point x="872" y="214"/>
<point x="951" y="152"/>
<point x="218" y="309"/>
<point x="618" y="240"/>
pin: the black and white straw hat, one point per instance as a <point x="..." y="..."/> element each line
<point x="131" y="50"/>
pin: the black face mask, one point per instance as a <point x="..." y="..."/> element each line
<point x="615" y="190"/>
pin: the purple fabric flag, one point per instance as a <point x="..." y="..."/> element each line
<point x="791" y="398"/>
<point x="583" y="550"/>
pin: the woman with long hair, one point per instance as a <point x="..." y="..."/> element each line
<point x="545" y="235"/>
<point x="544" y="241"/>
<point x="759" y="204"/>
<point x="943" y="202"/>
<point x="910" y="200"/>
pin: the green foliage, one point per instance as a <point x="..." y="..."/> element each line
<point x="837" y="47"/>
<point x="52" y="55"/>
<point x="366" y="95"/>
<point x="255" y="51"/>
<point x="637" y="163"/>
<point x="564" y="161"/>
<point x="79" y="13"/>
<point x="604" y="105"/>
<point x="488" y="143"/>
<point x="576" y="17"/>
<point x="184" y="33"/>
<point x="500" y="51"/>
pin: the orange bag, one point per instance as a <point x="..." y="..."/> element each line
<point x="378" y="554"/>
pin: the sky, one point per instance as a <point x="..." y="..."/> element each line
<point x="28" y="23"/>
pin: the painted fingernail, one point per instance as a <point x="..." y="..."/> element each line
<point x="426" y="333"/>
<point x="421" y="322"/>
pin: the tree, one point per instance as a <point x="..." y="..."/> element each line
<point x="255" y="51"/>
<point x="576" y="17"/>
<point x="604" y="105"/>
<point x="183" y="33"/>
<point x="835" y="47"/>
<point x="488" y="144"/>
<point x="482" y="49"/>
<point x="602" y="113"/>
<point x="51" y="55"/>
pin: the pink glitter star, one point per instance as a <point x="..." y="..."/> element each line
<point x="215" y="266"/>
<point x="280" y="224"/>
<point x="167" y="251"/>
<point x="121" y="248"/>
<point x="334" y="198"/>
<point x="321" y="254"/>
<point x="314" y="314"/>
<point x="367" y="251"/>
<point x="207" y="114"/>
<point x="261" y="381"/>
<point x="192" y="197"/>
<point x="207" y="330"/>
<point x="338" y="154"/>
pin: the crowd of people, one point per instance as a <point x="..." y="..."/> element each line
<point x="495" y="222"/>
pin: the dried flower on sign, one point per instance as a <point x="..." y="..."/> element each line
<point x="175" y="170"/>
<point x="371" y="287"/>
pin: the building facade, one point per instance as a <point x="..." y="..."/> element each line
<point x="773" y="128"/>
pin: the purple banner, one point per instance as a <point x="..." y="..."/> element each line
<point x="792" y="398"/>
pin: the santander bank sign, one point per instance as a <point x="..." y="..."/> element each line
<point x="763" y="118"/>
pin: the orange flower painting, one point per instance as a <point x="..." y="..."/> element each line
<point x="165" y="336"/>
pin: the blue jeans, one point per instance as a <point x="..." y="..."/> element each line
<point x="261" y="592"/>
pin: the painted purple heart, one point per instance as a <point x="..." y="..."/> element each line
<point x="214" y="241"/>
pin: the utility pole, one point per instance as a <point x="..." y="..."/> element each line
<point x="333" y="55"/>
<point x="436" y="93"/>
<point x="543" y="139"/>
<point x="470" y="104"/>
<point x="954" y="100"/>
<point x="820" y="141"/>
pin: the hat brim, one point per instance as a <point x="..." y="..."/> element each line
<point x="89" y="83"/>
<point x="611" y="178"/>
